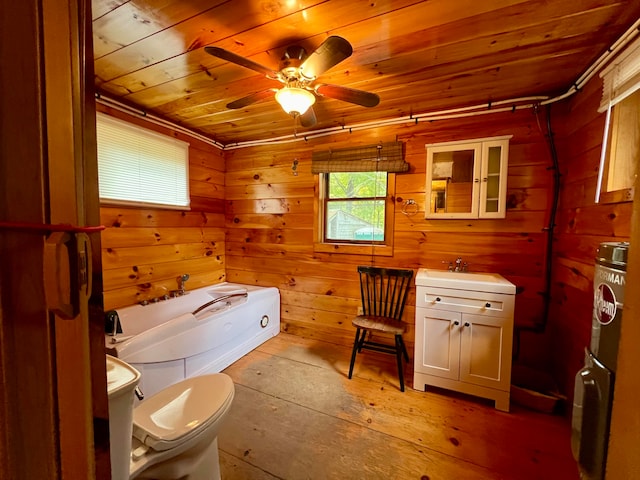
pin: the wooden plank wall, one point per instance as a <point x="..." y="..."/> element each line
<point x="270" y="214"/>
<point x="252" y="222"/>
<point x="581" y="226"/>
<point x="144" y="250"/>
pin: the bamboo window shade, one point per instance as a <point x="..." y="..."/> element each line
<point x="382" y="157"/>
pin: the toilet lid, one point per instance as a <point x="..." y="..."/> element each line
<point x="180" y="411"/>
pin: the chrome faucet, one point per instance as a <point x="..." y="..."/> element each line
<point x="460" y="266"/>
<point x="181" y="281"/>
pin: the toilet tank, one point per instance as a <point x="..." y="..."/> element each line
<point x="122" y="379"/>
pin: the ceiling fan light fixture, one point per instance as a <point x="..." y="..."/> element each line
<point x="294" y="100"/>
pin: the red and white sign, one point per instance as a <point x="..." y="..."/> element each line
<point x="604" y="303"/>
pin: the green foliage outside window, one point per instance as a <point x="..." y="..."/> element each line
<point x="356" y="206"/>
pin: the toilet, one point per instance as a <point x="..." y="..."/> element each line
<point x="170" y="435"/>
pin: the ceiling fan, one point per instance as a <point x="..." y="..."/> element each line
<point x="298" y="71"/>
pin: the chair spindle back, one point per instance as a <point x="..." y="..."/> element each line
<point x="384" y="290"/>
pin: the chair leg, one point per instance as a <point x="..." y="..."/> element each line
<point x="363" y="335"/>
<point x="353" y="353"/>
<point x="399" y="351"/>
<point x="404" y="350"/>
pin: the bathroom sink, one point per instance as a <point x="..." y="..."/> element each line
<point x="480" y="282"/>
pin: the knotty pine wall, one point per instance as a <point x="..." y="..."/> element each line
<point x="252" y="222"/>
<point x="270" y="214"/>
<point x="581" y="226"/>
<point x="144" y="250"/>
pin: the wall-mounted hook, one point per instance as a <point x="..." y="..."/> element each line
<point x="294" y="167"/>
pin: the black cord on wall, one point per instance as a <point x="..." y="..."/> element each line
<point x="540" y="326"/>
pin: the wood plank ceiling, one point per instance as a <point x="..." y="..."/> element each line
<point x="418" y="56"/>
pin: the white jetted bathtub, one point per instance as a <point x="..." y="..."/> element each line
<point x="201" y="332"/>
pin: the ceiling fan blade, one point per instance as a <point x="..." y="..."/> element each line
<point x="331" y="52"/>
<point x="351" y="95"/>
<point x="308" y="118"/>
<point x="238" y="60"/>
<point x="254" y="97"/>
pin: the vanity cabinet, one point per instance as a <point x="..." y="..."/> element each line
<point x="464" y="337"/>
<point x="467" y="179"/>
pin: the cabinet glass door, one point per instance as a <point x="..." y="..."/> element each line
<point x="493" y="180"/>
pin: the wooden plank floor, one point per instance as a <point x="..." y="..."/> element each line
<point x="296" y="415"/>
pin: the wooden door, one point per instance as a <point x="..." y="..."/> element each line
<point x="52" y="368"/>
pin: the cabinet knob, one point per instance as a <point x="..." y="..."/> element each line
<point x="488" y="305"/>
<point x="438" y="299"/>
<point x="467" y="324"/>
<point x="456" y="322"/>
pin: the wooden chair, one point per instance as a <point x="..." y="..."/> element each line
<point x="384" y="293"/>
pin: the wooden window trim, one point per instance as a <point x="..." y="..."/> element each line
<point x="617" y="142"/>
<point x="617" y="196"/>
<point x="375" y="249"/>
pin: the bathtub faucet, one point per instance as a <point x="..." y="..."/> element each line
<point x="181" y="281"/>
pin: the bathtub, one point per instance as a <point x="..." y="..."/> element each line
<point x="166" y="342"/>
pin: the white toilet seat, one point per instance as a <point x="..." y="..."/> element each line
<point x="178" y="413"/>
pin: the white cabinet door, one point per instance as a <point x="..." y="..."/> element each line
<point x="453" y="180"/>
<point x="485" y="350"/>
<point x="493" y="179"/>
<point x="439" y="333"/>
<point x="467" y="179"/>
<point x="474" y="349"/>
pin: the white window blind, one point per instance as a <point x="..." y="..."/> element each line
<point x="137" y="166"/>
<point x="622" y="77"/>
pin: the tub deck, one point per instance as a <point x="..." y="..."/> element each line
<point x="167" y="342"/>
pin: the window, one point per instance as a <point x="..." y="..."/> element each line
<point x="621" y="141"/>
<point x="354" y="206"/>
<point x="354" y="198"/>
<point x="356" y="212"/>
<point x="618" y="172"/>
<point x="140" y="167"/>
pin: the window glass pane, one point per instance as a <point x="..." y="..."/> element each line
<point x="494" y="160"/>
<point x="357" y="184"/>
<point x="493" y="188"/>
<point x="355" y="220"/>
<point x="492" y="205"/>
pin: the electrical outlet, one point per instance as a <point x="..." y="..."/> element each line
<point x="360" y="311"/>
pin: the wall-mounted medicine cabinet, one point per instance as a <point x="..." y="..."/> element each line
<point x="467" y="179"/>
